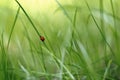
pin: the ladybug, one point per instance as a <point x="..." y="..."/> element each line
<point x="42" y="38"/>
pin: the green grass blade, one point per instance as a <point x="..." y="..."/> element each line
<point x="29" y="18"/>
<point x="103" y="27"/>
<point x="13" y="26"/>
<point x="75" y="16"/>
<point x="4" y="60"/>
<point x="58" y="61"/>
<point x="65" y="12"/>
<point x="107" y="69"/>
<point x="100" y="30"/>
<point x="88" y="61"/>
<point x="115" y="25"/>
<point x="113" y="11"/>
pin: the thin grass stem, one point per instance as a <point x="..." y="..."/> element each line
<point x="100" y="30"/>
<point x="13" y="27"/>
<point x="29" y="18"/>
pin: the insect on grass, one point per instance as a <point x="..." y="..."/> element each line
<point x="42" y="38"/>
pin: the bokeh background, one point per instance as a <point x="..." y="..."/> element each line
<point x="81" y="41"/>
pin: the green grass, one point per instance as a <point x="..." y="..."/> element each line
<point x="81" y="42"/>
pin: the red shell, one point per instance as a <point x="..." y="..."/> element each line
<point x="42" y="38"/>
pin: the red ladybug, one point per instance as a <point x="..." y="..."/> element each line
<point x="42" y="38"/>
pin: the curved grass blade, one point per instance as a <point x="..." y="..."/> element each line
<point x="115" y="25"/>
<point x="107" y="69"/>
<point x="58" y="61"/>
<point x="100" y="30"/>
<point x="13" y="26"/>
<point x="28" y="18"/>
<point x="65" y="12"/>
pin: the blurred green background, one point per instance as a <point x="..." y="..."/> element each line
<point x="81" y="41"/>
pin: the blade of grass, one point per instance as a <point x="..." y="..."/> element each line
<point x="103" y="28"/>
<point x="73" y="34"/>
<point x="24" y="70"/>
<point x="107" y="69"/>
<point x="59" y="62"/>
<point x="29" y="40"/>
<point x="29" y="18"/>
<point x="4" y="60"/>
<point x="62" y="62"/>
<point x="74" y="23"/>
<point x="75" y="16"/>
<point x="115" y="25"/>
<point x="88" y="61"/>
<point x="43" y="62"/>
<point x="101" y="15"/>
<point x="65" y="12"/>
<point x="13" y="26"/>
<point x="113" y="14"/>
<point x="100" y="30"/>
